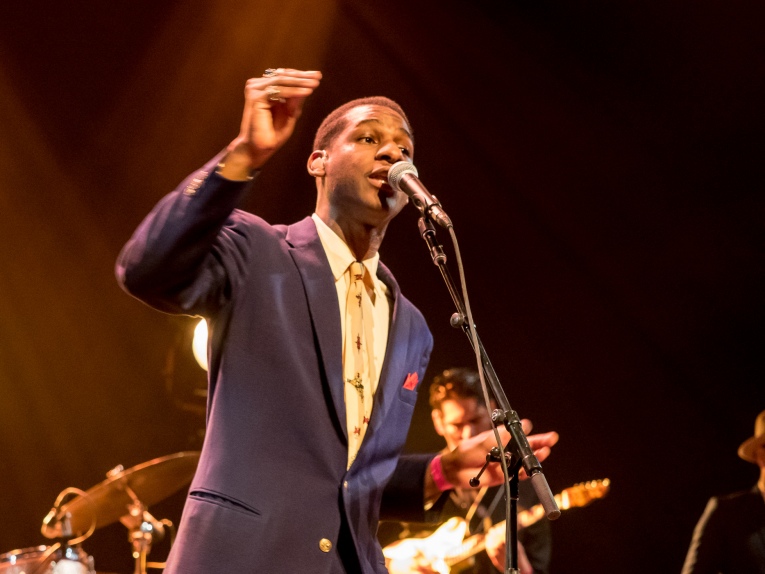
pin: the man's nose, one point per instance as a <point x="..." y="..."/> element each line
<point x="468" y="431"/>
<point x="391" y="152"/>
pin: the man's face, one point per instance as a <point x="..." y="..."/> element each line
<point x="459" y="419"/>
<point x="357" y="164"/>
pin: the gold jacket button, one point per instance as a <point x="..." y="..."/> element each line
<point x="325" y="545"/>
<point x="196" y="183"/>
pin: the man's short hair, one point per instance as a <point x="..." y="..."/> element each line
<point x="336" y="121"/>
<point x="455" y="384"/>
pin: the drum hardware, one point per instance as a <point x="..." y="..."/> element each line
<point x="150" y="482"/>
<point x="55" y="559"/>
<point x="65" y="556"/>
<point x="150" y="530"/>
<point x="143" y="531"/>
<point x="58" y="522"/>
<point x="125" y="496"/>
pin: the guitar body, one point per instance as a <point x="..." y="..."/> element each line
<point x="447" y="551"/>
<point x="431" y="550"/>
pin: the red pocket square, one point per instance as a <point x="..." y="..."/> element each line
<point x="411" y="381"/>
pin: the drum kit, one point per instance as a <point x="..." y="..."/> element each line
<point x="125" y="496"/>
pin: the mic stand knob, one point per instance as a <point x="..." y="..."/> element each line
<point x="492" y="456"/>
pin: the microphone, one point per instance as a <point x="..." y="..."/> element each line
<point x="403" y="176"/>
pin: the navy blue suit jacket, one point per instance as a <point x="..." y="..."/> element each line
<point x="272" y="486"/>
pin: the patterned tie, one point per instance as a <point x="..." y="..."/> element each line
<point x="356" y="359"/>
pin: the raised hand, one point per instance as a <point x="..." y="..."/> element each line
<point x="272" y="105"/>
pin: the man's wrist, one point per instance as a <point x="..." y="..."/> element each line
<point x="433" y="489"/>
<point x="237" y="164"/>
<point x="438" y="475"/>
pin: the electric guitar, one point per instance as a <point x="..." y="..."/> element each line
<point x="447" y="547"/>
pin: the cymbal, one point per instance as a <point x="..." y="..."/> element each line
<point x="150" y="481"/>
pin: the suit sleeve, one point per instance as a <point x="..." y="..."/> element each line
<point x="188" y="253"/>
<point x="403" y="495"/>
<point x="403" y="498"/>
<point x="705" y="552"/>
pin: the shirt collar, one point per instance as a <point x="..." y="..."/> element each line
<point x="338" y="252"/>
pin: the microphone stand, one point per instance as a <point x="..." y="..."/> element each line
<point x="517" y="452"/>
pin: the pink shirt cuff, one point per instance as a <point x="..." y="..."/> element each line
<point x="437" y="473"/>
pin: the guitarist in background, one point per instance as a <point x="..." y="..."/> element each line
<point x="459" y="412"/>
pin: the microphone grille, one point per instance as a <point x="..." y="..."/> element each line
<point x="398" y="170"/>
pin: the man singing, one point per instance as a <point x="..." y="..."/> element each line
<point x="315" y="356"/>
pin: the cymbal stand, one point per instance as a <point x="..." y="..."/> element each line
<point x="143" y="530"/>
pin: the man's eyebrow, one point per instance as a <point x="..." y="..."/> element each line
<point x="376" y="121"/>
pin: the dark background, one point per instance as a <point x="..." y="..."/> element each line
<point x="602" y="162"/>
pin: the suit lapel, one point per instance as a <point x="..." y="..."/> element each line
<point x="309" y="257"/>
<point x="395" y="356"/>
<point x="318" y="282"/>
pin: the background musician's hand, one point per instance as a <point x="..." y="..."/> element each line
<point x="495" y="548"/>
<point x="464" y="462"/>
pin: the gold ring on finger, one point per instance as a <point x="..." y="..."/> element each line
<point x="273" y="93"/>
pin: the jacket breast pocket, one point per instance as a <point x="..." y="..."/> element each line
<point x="409" y="396"/>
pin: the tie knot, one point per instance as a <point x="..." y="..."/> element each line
<point x="357" y="271"/>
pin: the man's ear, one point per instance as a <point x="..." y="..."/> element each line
<point x="438" y="421"/>
<point x="316" y="163"/>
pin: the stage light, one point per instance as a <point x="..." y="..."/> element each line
<point x="199" y="344"/>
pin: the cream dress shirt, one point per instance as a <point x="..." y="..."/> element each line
<point x="340" y="257"/>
